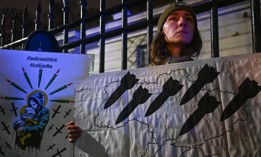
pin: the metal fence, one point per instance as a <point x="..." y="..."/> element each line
<point x="148" y="24"/>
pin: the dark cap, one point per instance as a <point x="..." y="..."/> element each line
<point x="175" y="7"/>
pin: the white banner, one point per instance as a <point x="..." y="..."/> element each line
<point x="37" y="100"/>
<point x="195" y="109"/>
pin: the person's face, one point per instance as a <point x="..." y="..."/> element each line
<point x="33" y="104"/>
<point x="179" y="27"/>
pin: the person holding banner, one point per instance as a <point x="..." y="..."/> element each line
<point x="177" y="40"/>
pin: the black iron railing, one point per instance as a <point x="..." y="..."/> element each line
<point x="126" y="28"/>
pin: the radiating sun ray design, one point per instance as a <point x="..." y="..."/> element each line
<point x="52" y="79"/>
<point x="40" y="77"/>
<point x="62" y="101"/>
<point x="16" y="86"/>
<point x="61" y="88"/>
<point x="26" y="99"/>
<point x="10" y="98"/>
<point x="28" y="80"/>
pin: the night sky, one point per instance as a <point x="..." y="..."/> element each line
<point x="19" y="4"/>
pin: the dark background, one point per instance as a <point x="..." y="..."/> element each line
<point x="10" y="7"/>
<point x="19" y="4"/>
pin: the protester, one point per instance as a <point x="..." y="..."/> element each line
<point x="177" y="40"/>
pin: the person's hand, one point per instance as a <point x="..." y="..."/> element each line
<point x="74" y="131"/>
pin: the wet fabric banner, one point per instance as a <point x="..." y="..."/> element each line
<point x="202" y="108"/>
<point x="37" y="100"/>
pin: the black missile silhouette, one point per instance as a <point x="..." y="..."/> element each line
<point x="170" y="88"/>
<point x="6" y="127"/>
<point x="206" y="75"/>
<point x="127" y="82"/>
<point x="56" y="111"/>
<point x="50" y="127"/>
<point x="67" y="113"/>
<point x="140" y="96"/>
<point x="14" y="109"/>
<point x="2" y="110"/>
<point x="206" y="104"/>
<point x="50" y="147"/>
<point x="8" y="145"/>
<point x="59" y="152"/>
<point x="1" y="152"/>
<point x="58" y="130"/>
<point x="248" y="89"/>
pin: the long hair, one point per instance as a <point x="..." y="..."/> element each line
<point x="159" y="51"/>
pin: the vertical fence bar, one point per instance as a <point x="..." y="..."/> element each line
<point x="3" y="30"/>
<point x="102" y="31"/>
<point x="13" y="31"/>
<point x="38" y="12"/>
<point x="255" y="21"/>
<point x="124" y="35"/>
<point x="51" y="15"/>
<point x="65" y="21"/>
<point x="149" y="27"/>
<point x="25" y="23"/>
<point x="83" y="24"/>
<point x="214" y="30"/>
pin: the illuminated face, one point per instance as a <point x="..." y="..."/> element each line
<point x="33" y="104"/>
<point x="179" y="27"/>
